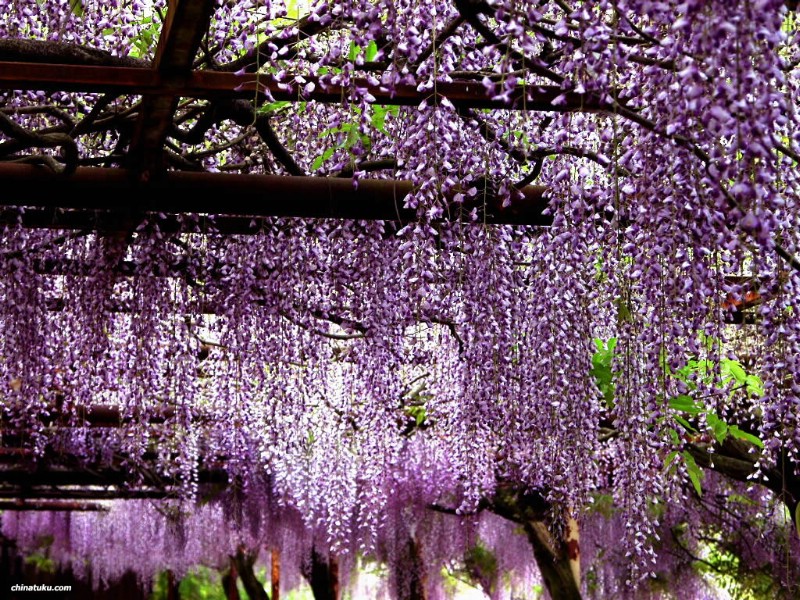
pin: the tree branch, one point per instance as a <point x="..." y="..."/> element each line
<point x="62" y="53"/>
<point x="24" y="139"/>
<point x="306" y="27"/>
<point x="278" y="150"/>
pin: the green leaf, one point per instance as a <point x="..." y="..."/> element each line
<point x="709" y="342"/>
<point x="684" y="373"/>
<point x="147" y="38"/>
<point x="737" y="433"/>
<point x="292" y="11"/>
<point x="601" y="369"/>
<point x="797" y="519"/>
<point x="685" y="404"/>
<point x="418" y="413"/>
<point x="343" y="128"/>
<point x="670" y="458"/>
<point x="327" y="132"/>
<point x="741" y="499"/>
<point x="352" y="136"/>
<point x="76" y="6"/>
<point x="676" y="438"/>
<point x="735" y="370"/>
<point x="322" y="158"/>
<point x="379" y="114"/>
<point x="754" y="385"/>
<point x="355" y="50"/>
<point x="623" y="311"/>
<point x="718" y="427"/>
<point x="703" y="366"/>
<point x="695" y="474"/>
<point x="683" y="422"/>
<point x="371" y="52"/>
<point x="273" y="107"/>
<point x="41" y="563"/>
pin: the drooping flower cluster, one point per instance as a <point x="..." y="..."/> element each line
<point x="366" y="367"/>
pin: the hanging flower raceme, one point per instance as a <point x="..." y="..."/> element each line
<point x="356" y="377"/>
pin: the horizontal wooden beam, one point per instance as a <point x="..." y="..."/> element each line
<point x="23" y="477"/>
<point x="82" y="493"/>
<point x="100" y="415"/>
<point x="219" y="84"/>
<point x="51" y="506"/>
<point x="113" y="190"/>
<point x="106" y="221"/>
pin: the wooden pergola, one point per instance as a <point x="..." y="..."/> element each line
<point x="92" y="196"/>
<point x="109" y="199"/>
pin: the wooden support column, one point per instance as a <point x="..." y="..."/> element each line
<point x="275" y="575"/>
<point x="186" y="22"/>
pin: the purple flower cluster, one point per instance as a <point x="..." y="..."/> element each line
<point x="348" y="375"/>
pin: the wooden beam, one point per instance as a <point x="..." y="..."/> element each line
<point x="217" y="84"/>
<point x="65" y="219"/>
<point x="98" y="189"/>
<point x="186" y="23"/>
<point x="102" y="477"/>
<point x="81" y="493"/>
<point x="51" y="506"/>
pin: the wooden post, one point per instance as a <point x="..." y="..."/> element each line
<point x="173" y="586"/>
<point x="276" y="575"/>
<point x="229" y="582"/>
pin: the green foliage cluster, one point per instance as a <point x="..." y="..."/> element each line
<point x="202" y="583"/>
<point x="688" y="414"/>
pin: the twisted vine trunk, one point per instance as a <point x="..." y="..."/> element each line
<point x="557" y="561"/>
<point x="244" y="565"/>
<point x="412" y="583"/>
<point x="322" y="575"/>
<point x="229" y="583"/>
<point x="173" y="592"/>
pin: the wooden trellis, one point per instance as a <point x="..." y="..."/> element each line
<point x="90" y="196"/>
<point x="104" y="199"/>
